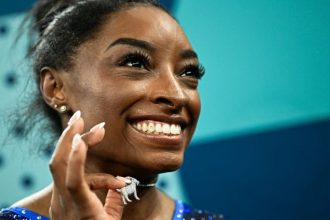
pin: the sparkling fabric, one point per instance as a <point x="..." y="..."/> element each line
<point x="185" y="212"/>
<point x="18" y="213"/>
<point x="182" y="212"/>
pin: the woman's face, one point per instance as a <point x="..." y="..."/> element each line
<point x="139" y="74"/>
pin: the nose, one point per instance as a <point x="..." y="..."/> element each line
<point x="168" y="92"/>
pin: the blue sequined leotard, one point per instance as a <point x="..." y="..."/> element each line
<point x="182" y="212"/>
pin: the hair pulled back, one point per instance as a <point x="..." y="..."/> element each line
<point x="60" y="27"/>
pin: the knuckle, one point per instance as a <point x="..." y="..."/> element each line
<point x="52" y="166"/>
<point x="92" y="185"/>
<point x="91" y="182"/>
<point x="72" y="186"/>
<point x="55" y="164"/>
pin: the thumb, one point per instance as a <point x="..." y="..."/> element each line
<point x="114" y="205"/>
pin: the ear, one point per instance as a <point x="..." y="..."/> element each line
<point x="51" y="87"/>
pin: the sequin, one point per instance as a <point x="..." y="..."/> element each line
<point x="182" y="212"/>
<point x="185" y="212"/>
<point x="17" y="213"/>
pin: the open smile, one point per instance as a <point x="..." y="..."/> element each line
<point x="159" y="130"/>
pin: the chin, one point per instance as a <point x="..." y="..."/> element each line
<point x="165" y="162"/>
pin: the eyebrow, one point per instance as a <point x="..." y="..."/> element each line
<point x="188" y="54"/>
<point x="185" y="54"/>
<point x="132" y="42"/>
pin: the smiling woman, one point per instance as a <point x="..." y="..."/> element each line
<point x="118" y="81"/>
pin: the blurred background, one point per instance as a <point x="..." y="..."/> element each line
<point x="262" y="147"/>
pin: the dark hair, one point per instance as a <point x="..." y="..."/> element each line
<point x="60" y="27"/>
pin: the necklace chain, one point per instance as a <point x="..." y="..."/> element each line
<point x="147" y="185"/>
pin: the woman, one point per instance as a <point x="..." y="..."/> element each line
<point x="119" y="79"/>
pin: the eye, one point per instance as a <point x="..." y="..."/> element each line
<point x="136" y="60"/>
<point x="192" y="70"/>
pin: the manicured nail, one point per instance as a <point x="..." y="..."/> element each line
<point x="98" y="126"/>
<point x="128" y="181"/>
<point x="74" y="117"/>
<point x="76" y="142"/>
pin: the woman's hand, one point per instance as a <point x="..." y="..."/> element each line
<point x="73" y="197"/>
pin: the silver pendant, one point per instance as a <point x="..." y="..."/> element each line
<point x="128" y="190"/>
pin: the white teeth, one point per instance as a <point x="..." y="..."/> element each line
<point x="151" y="127"/>
<point x="178" y="129"/>
<point x="144" y="127"/>
<point x="173" y="129"/>
<point x="166" y="129"/>
<point x="158" y="128"/>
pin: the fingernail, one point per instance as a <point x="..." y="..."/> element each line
<point x="76" y="141"/>
<point x="98" y="126"/>
<point x="128" y="181"/>
<point x="74" y="118"/>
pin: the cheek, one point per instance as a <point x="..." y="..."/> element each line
<point x="108" y="101"/>
<point x="120" y="96"/>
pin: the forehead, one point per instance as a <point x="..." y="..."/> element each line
<point x="146" y="23"/>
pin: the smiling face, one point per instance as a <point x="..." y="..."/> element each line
<point x="139" y="74"/>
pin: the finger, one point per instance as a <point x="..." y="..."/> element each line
<point x="77" y="185"/>
<point x="75" y="125"/>
<point x="59" y="160"/>
<point x="55" y="205"/>
<point x="114" y="205"/>
<point x="76" y="178"/>
<point x="95" y="135"/>
<point x="105" y="181"/>
<point x="75" y="181"/>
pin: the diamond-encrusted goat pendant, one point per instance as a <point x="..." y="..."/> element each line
<point x="129" y="189"/>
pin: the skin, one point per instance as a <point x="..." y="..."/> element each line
<point x="120" y="94"/>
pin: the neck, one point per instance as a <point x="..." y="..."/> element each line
<point x="152" y="203"/>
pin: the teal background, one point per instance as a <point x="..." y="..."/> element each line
<point x="262" y="146"/>
<point x="267" y="63"/>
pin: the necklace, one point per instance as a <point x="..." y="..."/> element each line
<point x="146" y="185"/>
<point x="130" y="189"/>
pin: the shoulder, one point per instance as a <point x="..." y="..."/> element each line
<point x="185" y="211"/>
<point x="33" y="207"/>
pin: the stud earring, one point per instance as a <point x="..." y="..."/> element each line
<point x="62" y="108"/>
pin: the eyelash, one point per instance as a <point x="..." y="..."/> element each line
<point x="198" y="71"/>
<point x="138" y="56"/>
